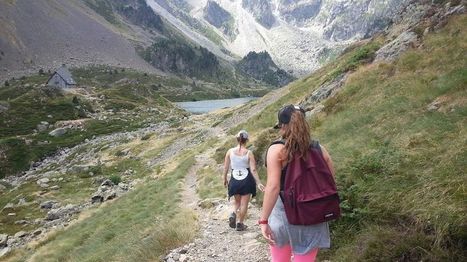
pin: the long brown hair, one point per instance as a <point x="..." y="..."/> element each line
<point x="296" y="135"/>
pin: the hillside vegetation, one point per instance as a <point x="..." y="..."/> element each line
<point x="108" y="100"/>
<point x="397" y="136"/>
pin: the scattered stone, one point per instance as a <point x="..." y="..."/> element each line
<point x="37" y="231"/>
<point x="43" y="181"/>
<point x="21" y="222"/>
<point x="55" y="187"/>
<point x="58" y="132"/>
<point x="21" y="234"/>
<point x="61" y="212"/>
<point x="392" y="50"/>
<point x="9" y="205"/>
<point x="4" y="251"/>
<point x="11" y="214"/>
<point x="48" y="204"/>
<point x="434" y="106"/>
<point x="3" y="240"/>
<point x="107" y="182"/>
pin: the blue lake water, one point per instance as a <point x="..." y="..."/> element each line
<point x="205" y="106"/>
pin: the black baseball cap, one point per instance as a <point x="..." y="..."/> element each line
<point x="285" y="114"/>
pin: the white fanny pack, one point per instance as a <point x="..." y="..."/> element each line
<point x="239" y="174"/>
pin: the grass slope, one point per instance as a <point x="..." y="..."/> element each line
<point x="400" y="166"/>
<point x="140" y="226"/>
<point x="125" y="105"/>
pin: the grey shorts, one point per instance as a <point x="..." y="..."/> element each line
<point x="302" y="239"/>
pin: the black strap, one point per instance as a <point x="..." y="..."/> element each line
<point x="273" y="143"/>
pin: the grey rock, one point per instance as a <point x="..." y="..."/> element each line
<point x="11" y="214"/>
<point x="42" y="126"/>
<point x="48" y="204"/>
<point x="58" y="132"/>
<point x="434" y="106"/>
<point x="9" y="205"/>
<point x="21" y="222"/>
<point x="43" y="181"/>
<point x="392" y="50"/>
<point x="22" y="202"/>
<point x="55" y="187"/>
<point x="4" y="251"/>
<point x="38" y="231"/>
<point x="21" y="234"/>
<point x="107" y="182"/>
<point x="3" y="240"/>
<point x="61" y="212"/>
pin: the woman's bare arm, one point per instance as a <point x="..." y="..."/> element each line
<point x="328" y="160"/>
<point x="226" y="166"/>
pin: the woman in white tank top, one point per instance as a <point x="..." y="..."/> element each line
<point x="241" y="164"/>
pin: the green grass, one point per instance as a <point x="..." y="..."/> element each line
<point x="385" y="142"/>
<point x="149" y="228"/>
<point x="29" y="104"/>
<point x="400" y="167"/>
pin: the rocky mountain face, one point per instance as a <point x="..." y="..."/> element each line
<point x="122" y="33"/>
<point x="299" y="11"/>
<point x="261" y="10"/>
<point x="180" y="58"/>
<point x="261" y="67"/>
<point x="220" y="18"/>
<point x="45" y="34"/>
<point x="298" y="34"/>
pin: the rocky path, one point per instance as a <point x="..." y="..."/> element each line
<point x="216" y="241"/>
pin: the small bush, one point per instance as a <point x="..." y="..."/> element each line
<point x="7" y="83"/>
<point x="116" y="179"/>
<point x="75" y="100"/>
<point x="147" y="136"/>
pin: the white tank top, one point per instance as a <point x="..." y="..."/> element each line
<point x="238" y="162"/>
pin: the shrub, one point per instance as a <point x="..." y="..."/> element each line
<point x="116" y="179"/>
<point x="75" y="100"/>
<point x="7" y="83"/>
<point x="147" y="136"/>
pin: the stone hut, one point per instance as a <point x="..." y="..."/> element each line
<point x="61" y="78"/>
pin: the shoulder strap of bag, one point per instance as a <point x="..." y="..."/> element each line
<point x="315" y="144"/>
<point x="281" y="141"/>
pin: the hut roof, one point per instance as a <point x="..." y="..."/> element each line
<point x="66" y="75"/>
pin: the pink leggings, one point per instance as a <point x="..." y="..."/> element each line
<point x="284" y="254"/>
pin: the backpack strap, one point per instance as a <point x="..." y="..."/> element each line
<point x="315" y="144"/>
<point x="281" y="141"/>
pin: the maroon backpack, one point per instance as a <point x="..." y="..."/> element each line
<point x="310" y="193"/>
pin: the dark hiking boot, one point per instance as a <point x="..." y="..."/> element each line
<point x="240" y="227"/>
<point x="232" y="220"/>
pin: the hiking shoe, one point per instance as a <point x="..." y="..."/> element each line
<point x="232" y="220"/>
<point x="240" y="227"/>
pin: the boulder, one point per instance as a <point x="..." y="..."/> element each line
<point x="21" y="222"/>
<point x="4" y="251"/>
<point x="48" y="204"/>
<point x="58" y="132"/>
<point x="21" y="234"/>
<point x="43" y="181"/>
<point x="392" y="50"/>
<point x="3" y="240"/>
<point x="61" y="212"/>
<point x="37" y="231"/>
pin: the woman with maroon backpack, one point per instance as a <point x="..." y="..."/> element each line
<point x="287" y="240"/>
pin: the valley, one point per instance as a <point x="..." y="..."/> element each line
<point x="112" y="170"/>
